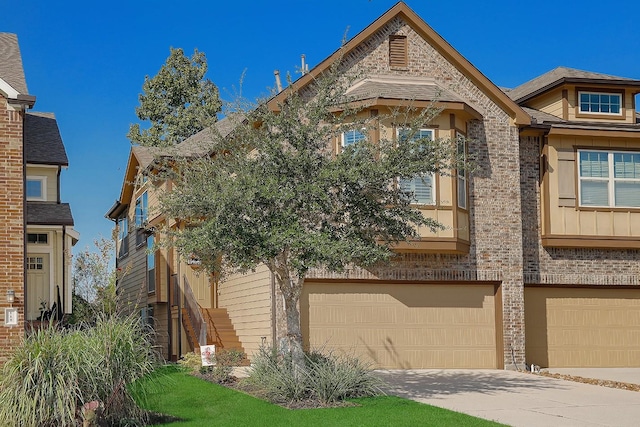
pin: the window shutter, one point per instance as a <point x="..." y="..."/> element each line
<point x="566" y="178"/>
<point x="398" y="51"/>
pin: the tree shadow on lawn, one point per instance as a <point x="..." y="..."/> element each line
<point x="416" y="384"/>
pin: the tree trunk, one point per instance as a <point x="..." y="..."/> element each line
<point x="291" y="287"/>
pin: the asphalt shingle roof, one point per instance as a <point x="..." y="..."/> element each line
<point x="49" y="213"/>
<point x="559" y="75"/>
<point x="43" y="143"/>
<point x="11" y="70"/>
<point x="403" y="89"/>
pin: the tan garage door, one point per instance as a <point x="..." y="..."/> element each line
<point x="404" y="326"/>
<point x="582" y="327"/>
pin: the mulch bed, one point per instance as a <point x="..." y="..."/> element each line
<point x="593" y="381"/>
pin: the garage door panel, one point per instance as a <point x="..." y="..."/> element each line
<point x="404" y="326"/>
<point x="577" y="327"/>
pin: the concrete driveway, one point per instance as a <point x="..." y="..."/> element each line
<point x="518" y="399"/>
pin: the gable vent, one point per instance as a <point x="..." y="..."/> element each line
<point x="398" y="51"/>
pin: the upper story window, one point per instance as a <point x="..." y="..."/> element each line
<point x="142" y="210"/>
<point x="600" y="103"/>
<point x="461" y="172"/>
<point x="35" y="188"/>
<point x="38" y="238"/>
<point x="422" y="186"/>
<point x="353" y="136"/>
<point x="609" y="178"/>
<point x="123" y="235"/>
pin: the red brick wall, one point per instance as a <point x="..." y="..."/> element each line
<point x="11" y="223"/>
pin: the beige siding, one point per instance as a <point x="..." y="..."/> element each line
<point x="582" y="327"/>
<point x="51" y="176"/>
<point x="403" y="325"/>
<point x="247" y="299"/>
<point x="569" y="221"/>
<point x="550" y="103"/>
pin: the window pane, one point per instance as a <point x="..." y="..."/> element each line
<point x="594" y="164"/>
<point x="627" y="194"/>
<point x="584" y="98"/>
<point x="421" y="187"/>
<point x="626" y="165"/>
<point x="351" y="137"/>
<point x="594" y="193"/>
<point x="462" y="193"/>
<point x="34" y="188"/>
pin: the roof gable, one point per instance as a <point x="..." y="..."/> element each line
<point x="11" y="70"/>
<point x="403" y="12"/>
<point x="561" y="75"/>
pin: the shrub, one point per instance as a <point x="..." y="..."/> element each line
<point x="57" y="377"/>
<point x="224" y="361"/>
<point x="328" y="377"/>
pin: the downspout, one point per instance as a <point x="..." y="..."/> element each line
<point x="64" y="266"/>
<point x="24" y="223"/>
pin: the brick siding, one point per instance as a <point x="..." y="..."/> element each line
<point x="11" y="223"/>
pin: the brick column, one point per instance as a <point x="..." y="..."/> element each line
<point x="12" y="222"/>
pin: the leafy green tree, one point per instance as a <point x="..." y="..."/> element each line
<point x="276" y="193"/>
<point x="94" y="283"/>
<point x="177" y="102"/>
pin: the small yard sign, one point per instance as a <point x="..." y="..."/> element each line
<point x="207" y="353"/>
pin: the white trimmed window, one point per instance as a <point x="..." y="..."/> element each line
<point x="36" y="187"/>
<point x="422" y="186"/>
<point x="352" y="137"/>
<point x="600" y="103"/>
<point x="142" y="210"/>
<point x="461" y="172"/>
<point x="609" y="178"/>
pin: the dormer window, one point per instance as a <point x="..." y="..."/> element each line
<point x="35" y="187"/>
<point x="600" y="103"/>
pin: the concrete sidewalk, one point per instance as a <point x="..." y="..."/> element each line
<point x="517" y="398"/>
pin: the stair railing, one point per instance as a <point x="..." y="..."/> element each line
<point x="194" y="313"/>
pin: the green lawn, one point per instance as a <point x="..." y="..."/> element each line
<point x="199" y="403"/>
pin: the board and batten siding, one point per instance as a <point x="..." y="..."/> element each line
<point x="247" y="298"/>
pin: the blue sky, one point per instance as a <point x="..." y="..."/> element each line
<point x="86" y="61"/>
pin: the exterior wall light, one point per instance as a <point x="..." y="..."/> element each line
<point x="11" y="296"/>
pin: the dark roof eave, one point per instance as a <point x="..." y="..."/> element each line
<point x="115" y="210"/>
<point x="24" y="100"/>
<point x="580" y="80"/>
<point x="41" y="162"/>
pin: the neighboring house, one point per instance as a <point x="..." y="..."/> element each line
<point x="36" y="230"/>
<point x="539" y="262"/>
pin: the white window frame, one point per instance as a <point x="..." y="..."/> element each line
<point x="43" y="187"/>
<point x="431" y="175"/>
<point x="588" y="92"/>
<point x="610" y="179"/>
<point x="343" y="141"/>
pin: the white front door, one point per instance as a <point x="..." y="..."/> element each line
<point x="38" y="286"/>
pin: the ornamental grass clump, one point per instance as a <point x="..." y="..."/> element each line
<point x="69" y="377"/>
<point x="328" y="378"/>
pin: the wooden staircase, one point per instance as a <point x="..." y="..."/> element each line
<point x="220" y="331"/>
